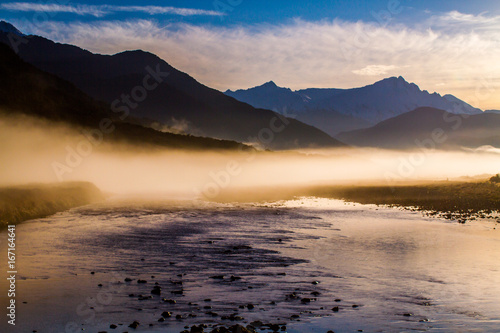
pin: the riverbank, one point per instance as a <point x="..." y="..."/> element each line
<point x="461" y="201"/>
<point x="26" y="202"/>
<point x="455" y="200"/>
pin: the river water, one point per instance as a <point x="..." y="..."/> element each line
<point x="285" y="262"/>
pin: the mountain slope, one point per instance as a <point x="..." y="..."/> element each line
<point x="431" y="128"/>
<point x="301" y="105"/>
<point x="121" y="80"/>
<point x="25" y="89"/>
<point x="361" y="107"/>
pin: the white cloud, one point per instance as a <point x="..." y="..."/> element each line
<point x="103" y="10"/>
<point x="374" y="70"/>
<point x="53" y="8"/>
<point x="164" y="10"/>
<point x="305" y="54"/>
<point x="458" y="22"/>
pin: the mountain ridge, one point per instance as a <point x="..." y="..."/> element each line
<point x="365" y="105"/>
<point x="430" y="128"/>
<point x="26" y="90"/>
<point x="206" y="111"/>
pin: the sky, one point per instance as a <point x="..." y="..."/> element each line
<point x="451" y="47"/>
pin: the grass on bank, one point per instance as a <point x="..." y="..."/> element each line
<point x="457" y="200"/>
<point x="21" y="203"/>
<point x="453" y="200"/>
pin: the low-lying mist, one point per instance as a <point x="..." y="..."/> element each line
<point x="33" y="150"/>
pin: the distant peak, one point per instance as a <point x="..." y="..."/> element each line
<point x="397" y="79"/>
<point x="269" y="84"/>
<point x="393" y="81"/>
<point x="9" y="28"/>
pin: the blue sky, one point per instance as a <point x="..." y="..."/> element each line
<point x="444" y="46"/>
<point x="248" y="12"/>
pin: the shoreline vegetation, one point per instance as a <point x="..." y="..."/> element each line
<point x="26" y="202"/>
<point x="461" y="201"/>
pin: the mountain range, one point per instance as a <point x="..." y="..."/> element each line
<point x="26" y="90"/>
<point x="150" y="102"/>
<point x="340" y="110"/>
<point x="155" y="93"/>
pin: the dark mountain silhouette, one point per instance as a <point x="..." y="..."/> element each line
<point x="284" y="100"/>
<point x="336" y="110"/>
<point x="9" y="28"/>
<point x="25" y="89"/>
<point x="117" y="79"/>
<point x="429" y="127"/>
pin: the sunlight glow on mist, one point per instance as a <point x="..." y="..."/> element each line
<point x="32" y="146"/>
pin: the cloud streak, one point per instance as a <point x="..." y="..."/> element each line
<point x="104" y="10"/>
<point x="461" y="61"/>
<point x="375" y="70"/>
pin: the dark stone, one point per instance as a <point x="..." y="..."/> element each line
<point x="305" y="300"/>
<point x="354" y="306"/>
<point x="242" y="247"/>
<point x="257" y="323"/>
<point x="274" y="327"/>
<point x="196" y="329"/>
<point x="161" y="320"/>
<point x="113" y="326"/>
<point x="335" y="309"/>
<point x="315" y="293"/>
<point x="128" y="280"/>
<point x="338" y="300"/>
<point x="170" y="301"/>
<point x="144" y="298"/>
<point x="166" y="314"/>
<point x="238" y="329"/>
<point x="134" y="325"/>
<point x="250" y="306"/>
<point x="217" y="277"/>
<point x="142" y="281"/>
<point x="178" y="317"/>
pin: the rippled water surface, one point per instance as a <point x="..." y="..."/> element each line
<point x="287" y="262"/>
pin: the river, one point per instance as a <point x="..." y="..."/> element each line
<point x="287" y="262"/>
